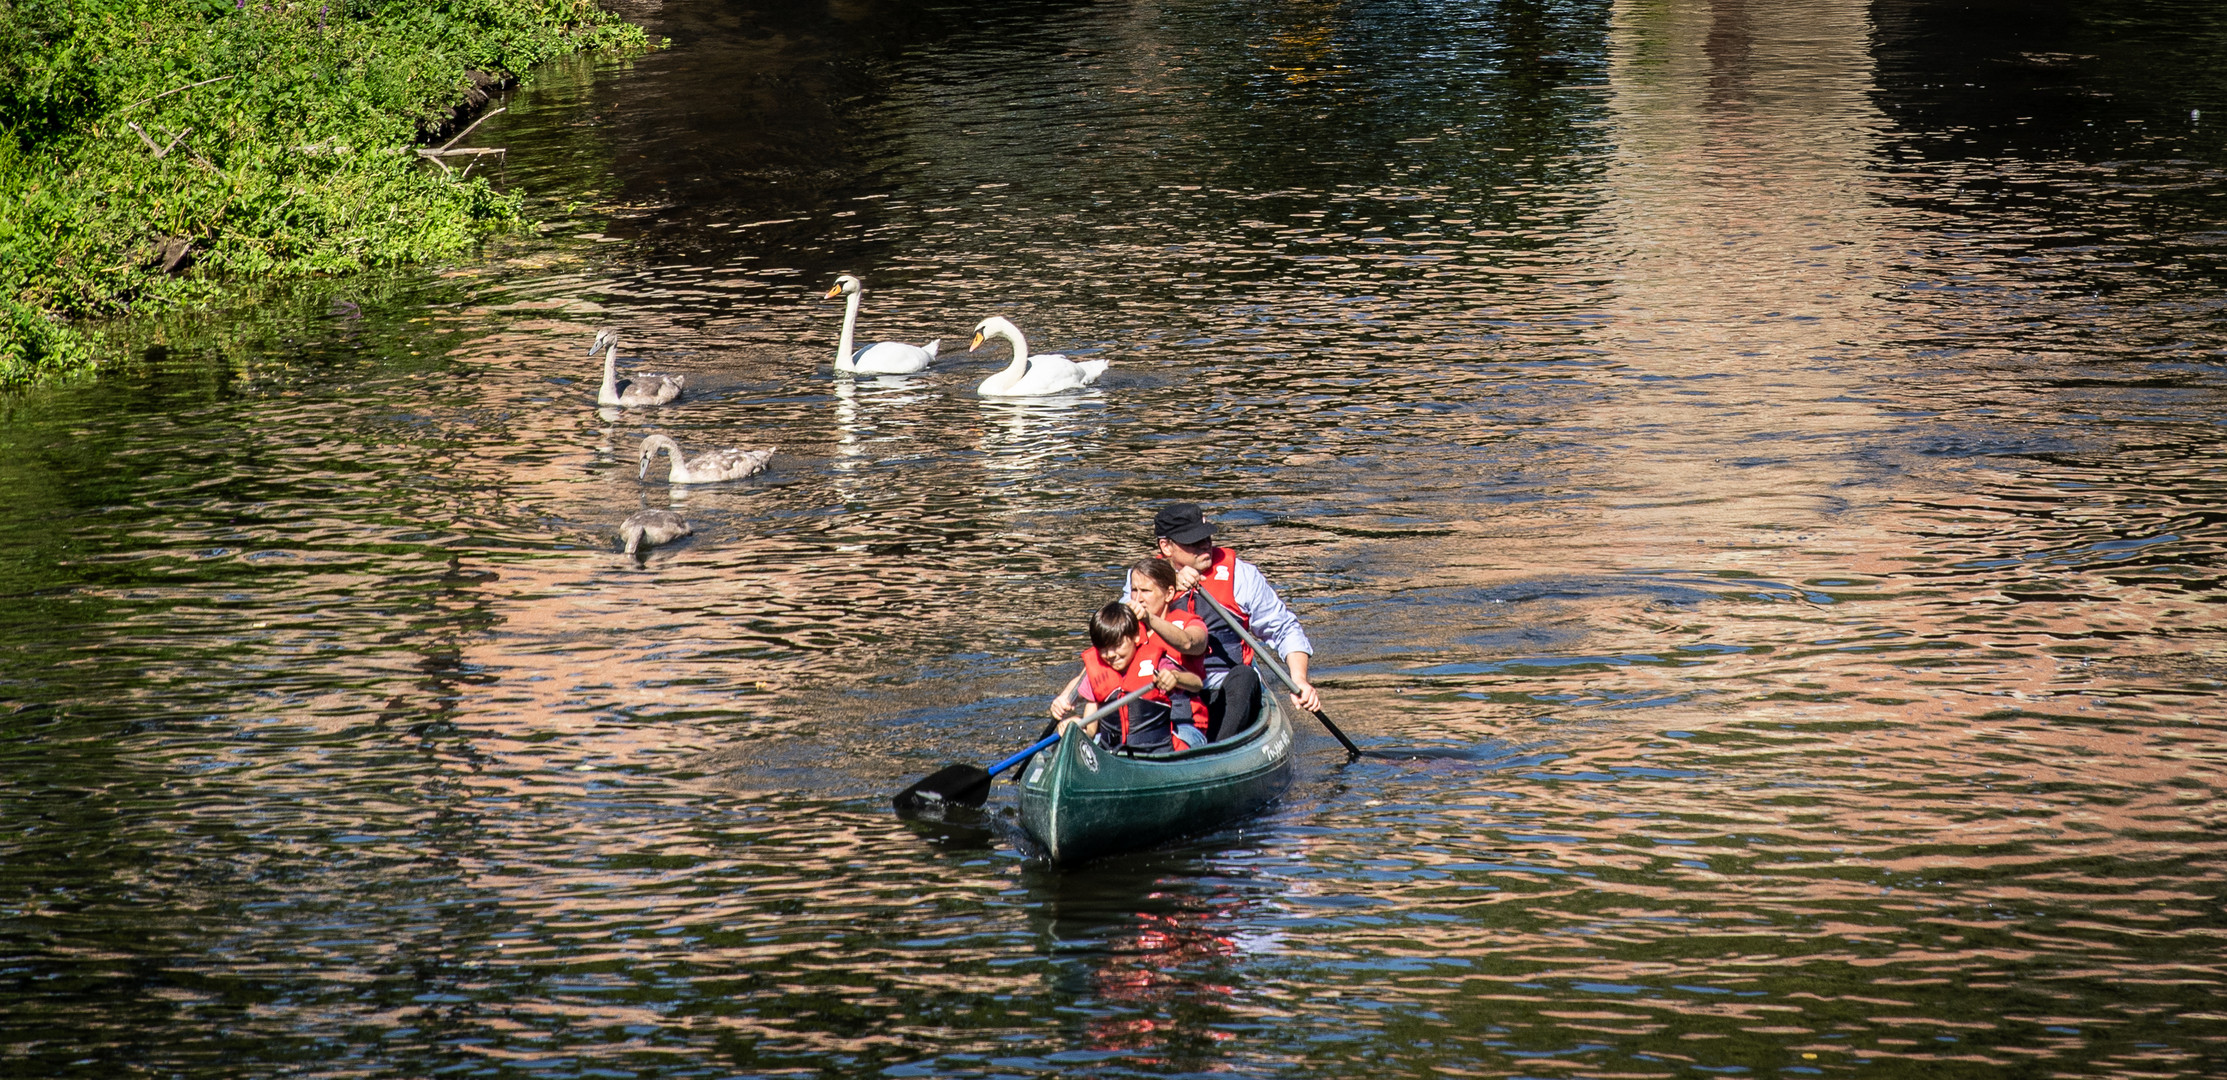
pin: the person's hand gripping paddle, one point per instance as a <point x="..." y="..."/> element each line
<point x="969" y="785"/>
<point x="1261" y="653"/>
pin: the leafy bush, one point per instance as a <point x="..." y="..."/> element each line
<point x="272" y="136"/>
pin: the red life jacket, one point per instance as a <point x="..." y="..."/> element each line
<point x="1146" y="724"/>
<point x="1224" y="648"/>
<point x="1196" y="665"/>
<point x="1188" y="708"/>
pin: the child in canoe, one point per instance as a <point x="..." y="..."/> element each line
<point x="1135" y="644"/>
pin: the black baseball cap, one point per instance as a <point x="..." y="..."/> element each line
<point x="1182" y="523"/>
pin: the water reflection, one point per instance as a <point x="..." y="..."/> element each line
<point x="1039" y="436"/>
<point x="1154" y="947"/>
<point x="1778" y="476"/>
<point x="1745" y="216"/>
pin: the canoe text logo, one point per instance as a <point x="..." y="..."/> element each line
<point x="1090" y="756"/>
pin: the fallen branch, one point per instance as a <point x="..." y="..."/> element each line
<point x="483" y="119"/>
<point x="167" y="93"/>
<point x="160" y="151"/>
<point x="474" y="152"/>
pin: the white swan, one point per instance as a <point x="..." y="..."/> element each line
<point x="641" y="389"/>
<point x="880" y="358"/>
<point x="1031" y="376"/>
<point x="651" y="528"/>
<point x="709" y="467"/>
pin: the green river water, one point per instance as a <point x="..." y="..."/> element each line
<point x="1772" y="454"/>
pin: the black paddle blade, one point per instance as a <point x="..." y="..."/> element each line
<point x="965" y="785"/>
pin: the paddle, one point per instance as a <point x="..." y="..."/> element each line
<point x="968" y="785"/>
<point x="1261" y="652"/>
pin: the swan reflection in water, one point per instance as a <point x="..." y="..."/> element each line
<point x="876" y="411"/>
<point x="1034" y="434"/>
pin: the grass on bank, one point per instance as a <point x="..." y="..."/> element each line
<point x="273" y="136"/>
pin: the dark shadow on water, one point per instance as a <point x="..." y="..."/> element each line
<point x="954" y="828"/>
<point x="1080" y="906"/>
<point x="1151" y="947"/>
<point x="1481" y="755"/>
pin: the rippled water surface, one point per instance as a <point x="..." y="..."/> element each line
<point x="1771" y="453"/>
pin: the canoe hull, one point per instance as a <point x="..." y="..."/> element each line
<point x="1080" y="801"/>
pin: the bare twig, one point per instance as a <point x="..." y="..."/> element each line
<point x="469" y="151"/>
<point x="476" y="153"/>
<point x="167" y="93"/>
<point x="483" y="119"/>
<point x="161" y="151"/>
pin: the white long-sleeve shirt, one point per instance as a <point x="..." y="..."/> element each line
<point x="1265" y="613"/>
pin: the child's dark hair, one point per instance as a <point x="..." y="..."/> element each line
<point x="1155" y="570"/>
<point x="1113" y="624"/>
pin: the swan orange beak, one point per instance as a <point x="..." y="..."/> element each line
<point x="833" y="293"/>
<point x="976" y="343"/>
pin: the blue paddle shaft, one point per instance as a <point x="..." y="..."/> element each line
<point x="1024" y="755"/>
<point x="1048" y="740"/>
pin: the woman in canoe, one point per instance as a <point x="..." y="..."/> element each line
<point x="1127" y="654"/>
<point x="1151" y="594"/>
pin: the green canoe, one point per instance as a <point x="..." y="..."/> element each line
<point x="1080" y="800"/>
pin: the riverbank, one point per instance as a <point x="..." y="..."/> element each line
<point x="153" y="151"/>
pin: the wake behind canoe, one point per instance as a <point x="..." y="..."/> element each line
<point x="1080" y="801"/>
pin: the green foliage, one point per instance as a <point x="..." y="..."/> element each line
<point x="274" y="135"/>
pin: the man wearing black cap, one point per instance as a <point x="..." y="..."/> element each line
<point x="1185" y="540"/>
